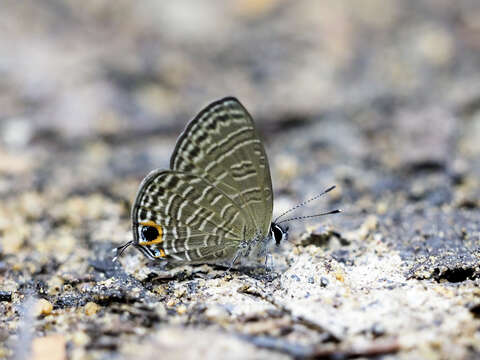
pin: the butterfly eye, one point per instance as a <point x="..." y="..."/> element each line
<point x="149" y="233"/>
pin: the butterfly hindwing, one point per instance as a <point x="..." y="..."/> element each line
<point x="194" y="218"/>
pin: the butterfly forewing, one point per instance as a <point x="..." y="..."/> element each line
<point x="222" y="146"/>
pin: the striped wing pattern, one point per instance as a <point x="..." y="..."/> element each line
<point x="217" y="195"/>
<point x="222" y="145"/>
<point x="199" y="222"/>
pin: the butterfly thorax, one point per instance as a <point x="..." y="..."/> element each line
<point x="257" y="248"/>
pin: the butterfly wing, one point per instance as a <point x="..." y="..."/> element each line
<point x="195" y="221"/>
<point x="222" y="146"/>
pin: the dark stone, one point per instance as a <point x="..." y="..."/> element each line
<point x="6" y="296"/>
<point x="475" y="310"/>
<point x="378" y="330"/>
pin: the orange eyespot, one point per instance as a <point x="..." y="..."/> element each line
<point x="158" y="252"/>
<point x="151" y="233"/>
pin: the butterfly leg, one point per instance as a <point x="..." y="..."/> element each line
<point x="268" y="262"/>
<point x="239" y="251"/>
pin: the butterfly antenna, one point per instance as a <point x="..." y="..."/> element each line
<point x="119" y="250"/>
<point x="305" y="202"/>
<point x="311" y="216"/>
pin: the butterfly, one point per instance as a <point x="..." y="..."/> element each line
<point x="215" y="203"/>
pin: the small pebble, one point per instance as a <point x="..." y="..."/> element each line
<point x="52" y="347"/>
<point x="171" y="303"/>
<point x="217" y="313"/>
<point x="311" y="280"/>
<point x="91" y="308"/>
<point x="382" y="208"/>
<point x="324" y="281"/>
<point x="181" y="309"/>
<point x="178" y="293"/>
<point x="339" y="276"/>
<point x="80" y="338"/>
<point x="42" y="307"/>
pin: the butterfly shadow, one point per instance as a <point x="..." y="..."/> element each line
<point x="161" y="272"/>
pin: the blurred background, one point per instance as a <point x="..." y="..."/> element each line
<point x="77" y="71"/>
<point x="381" y="97"/>
<point x="130" y="70"/>
<point x="386" y="82"/>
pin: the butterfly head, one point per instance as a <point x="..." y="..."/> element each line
<point x="278" y="232"/>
